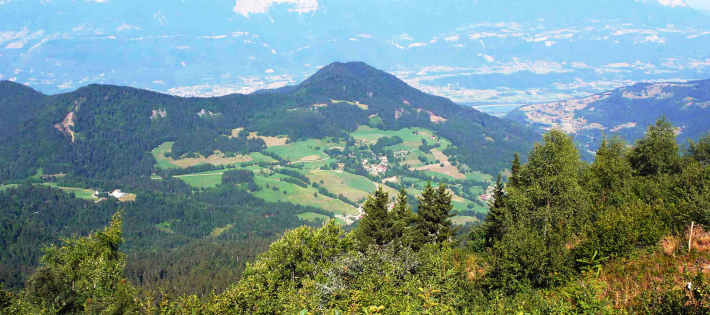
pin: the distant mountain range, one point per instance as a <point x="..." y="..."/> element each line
<point x="479" y="52"/>
<point x="625" y="112"/>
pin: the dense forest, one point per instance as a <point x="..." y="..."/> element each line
<point x="623" y="234"/>
<point x="107" y="132"/>
<point x="168" y="230"/>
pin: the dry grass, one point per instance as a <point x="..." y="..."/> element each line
<point x="701" y="239"/>
<point x="217" y="158"/>
<point x="447" y="169"/>
<point x="474" y="269"/>
<point x="270" y="141"/>
<point x="626" y="279"/>
<point x="669" y="245"/>
<point x="128" y="198"/>
<point x="310" y="158"/>
<point x="436" y="118"/>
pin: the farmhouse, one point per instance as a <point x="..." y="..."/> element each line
<point x="118" y="194"/>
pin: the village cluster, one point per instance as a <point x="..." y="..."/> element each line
<point x="375" y="169"/>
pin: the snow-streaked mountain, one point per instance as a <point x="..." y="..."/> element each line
<point x="485" y="51"/>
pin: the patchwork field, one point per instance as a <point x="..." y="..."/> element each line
<point x="410" y="141"/>
<point x="216" y="159"/>
<point x="304" y="151"/>
<point x="310" y="153"/>
<point x="447" y="169"/>
<point x="298" y="195"/>
<point x="270" y="141"/>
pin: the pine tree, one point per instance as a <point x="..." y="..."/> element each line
<point x="375" y="227"/>
<point x="515" y="170"/>
<point x="434" y="217"/>
<point x="403" y="220"/>
<point x="495" y="220"/>
<point x="426" y="218"/>
<point x="444" y="212"/>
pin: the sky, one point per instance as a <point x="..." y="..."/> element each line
<point x="699" y="4"/>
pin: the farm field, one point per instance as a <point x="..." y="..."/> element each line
<point x="203" y="180"/>
<point x="78" y="192"/>
<point x="311" y="156"/>
<point x="447" y="169"/>
<point x="304" y="151"/>
<point x="216" y="159"/>
<point x="270" y="141"/>
<point x="297" y="194"/>
<point x="313" y="217"/>
<point x="352" y="186"/>
<point x="410" y="141"/>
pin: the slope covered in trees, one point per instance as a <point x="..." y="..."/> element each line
<point x="102" y="131"/>
<point x="563" y="237"/>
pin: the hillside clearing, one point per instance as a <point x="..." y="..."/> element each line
<point x="447" y="169"/>
<point x="270" y="141"/>
<point x="200" y="180"/>
<point x="310" y="150"/>
<point x="219" y="230"/>
<point x="361" y="106"/>
<point x="78" y="192"/>
<point x="298" y="195"/>
<point x="217" y="158"/>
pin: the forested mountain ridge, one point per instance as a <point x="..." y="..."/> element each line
<point x="107" y="131"/>
<point x="624" y="112"/>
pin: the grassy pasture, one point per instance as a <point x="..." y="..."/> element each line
<point x="78" y="192"/>
<point x="352" y="186"/>
<point x="410" y="141"/>
<point x="298" y="195"/>
<point x="305" y="151"/>
<point x="216" y="159"/>
<point x="159" y="155"/>
<point x="203" y="180"/>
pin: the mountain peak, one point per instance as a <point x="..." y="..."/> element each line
<point x="356" y="81"/>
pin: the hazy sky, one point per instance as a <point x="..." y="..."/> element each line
<point x="700" y="4"/>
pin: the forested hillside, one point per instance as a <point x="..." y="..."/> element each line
<point x="205" y="184"/>
<point x="624" y="234"/>
<point x="107" y="131"/>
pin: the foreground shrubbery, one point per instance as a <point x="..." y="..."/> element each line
<point x="562" y="237"/>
